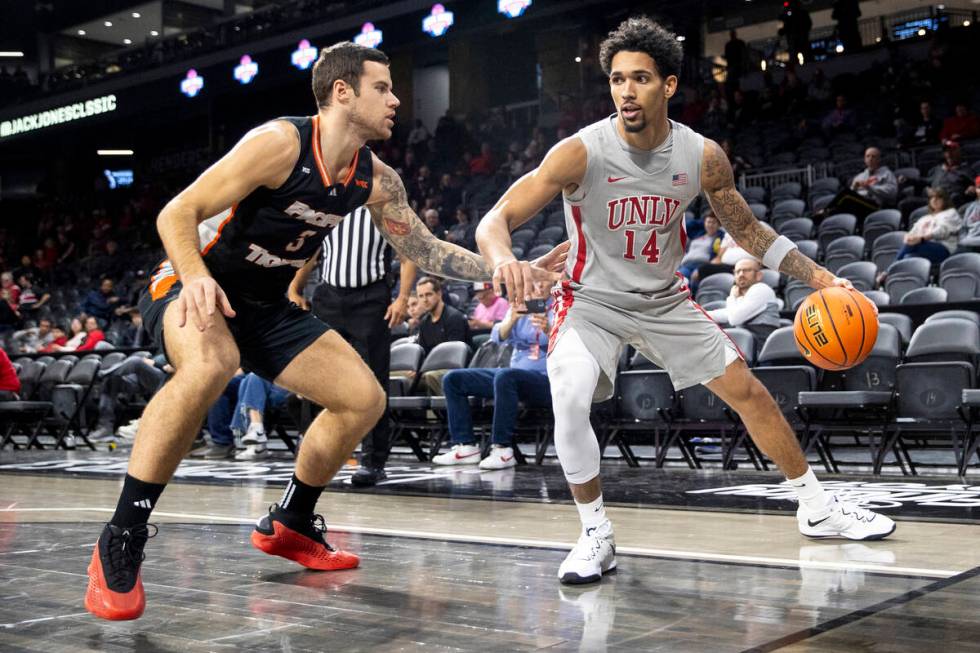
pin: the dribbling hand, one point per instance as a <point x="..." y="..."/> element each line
<point x="198" y="299"/>
<point x="847" y="285"/>
<point x="518" y="277"/>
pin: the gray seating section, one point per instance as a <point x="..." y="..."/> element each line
<point x="780" y="349"/>
<point x="959" y="275"/>
<point x="795" y="228"/>
<point x="880" y="222"/>
<point x="885" y="247"/>
<point x="902" y="324"/>
<point x="808" y="248"/>
<point x="843" y="250"/>
<point x="956" y="314"/>
<point x="879" y="297"/>
<point x="905" y="275"/>
<point x="716" y="287"/>
<point x="951" y="339"/>
<point x="860" y="273"/>
<point x="927" y="295"/>
<point x="745" y="341"/>
<point x="836" y="226"/>
<point x="794" y="207"/>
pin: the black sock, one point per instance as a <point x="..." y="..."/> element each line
<point x="300" y="498"/>
<point x="136" y="502"/>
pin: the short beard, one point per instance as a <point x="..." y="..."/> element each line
<point x="634" y="128"/>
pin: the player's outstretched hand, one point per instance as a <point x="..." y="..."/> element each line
<point x="518" y="278"/>
<point x="847" y="285"/>
<point x="198" y="300"/>
<point x="554" y="260"/>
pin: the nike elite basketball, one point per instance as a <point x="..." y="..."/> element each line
<point x="836" y="328"/>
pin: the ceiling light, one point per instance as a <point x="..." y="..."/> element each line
<point x="966" y="23"/>
<point x="136" y="14"/>
<point x="114" y="152"/>
<point x="127" y="41"/>
<point x="81" y="32"/>
<point x="839" y="48"/>
<point x="153" y="32"/>
<point x="578" y="59"/>
<point x="762" y="64"/>
<point x="921" y="32"/>
<point x="108" y="23"/>
<point x="14" y="53"/>
<point x="877" y="39"/>
<point x="681" y="38"/>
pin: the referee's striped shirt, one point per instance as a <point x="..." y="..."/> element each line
<point x="354" y="252"/>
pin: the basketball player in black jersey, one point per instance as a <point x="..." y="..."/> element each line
<point x="220" y="302"/>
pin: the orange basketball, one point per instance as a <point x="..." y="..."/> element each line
<point x="836" y="328"/>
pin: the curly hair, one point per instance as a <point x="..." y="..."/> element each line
<point x="640" y="34"/>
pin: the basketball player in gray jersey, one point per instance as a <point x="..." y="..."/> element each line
<point x="626" y="181"/>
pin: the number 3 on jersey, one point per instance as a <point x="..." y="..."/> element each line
<point x="650" y="250"/>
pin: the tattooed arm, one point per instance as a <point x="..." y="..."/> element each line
<point x="396" y="220"/>
<point x="737" y="219"/>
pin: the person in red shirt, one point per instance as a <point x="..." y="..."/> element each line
<point x="93" y="335"/>
<point x="60" y="340"/>
<point x="13" y="290"/>
<point x="482" y="164"/>
<point x="961" y="126"/>
<point x="9" y="383"/>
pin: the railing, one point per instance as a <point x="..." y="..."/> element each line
<point x="770" y="180"/>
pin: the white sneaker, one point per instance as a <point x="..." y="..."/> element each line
<point x="460" y="454"/>
<point x="128" y="431"/>
<point x="594" y="555"/>
<point x="844" y="520"/>
<point x="499" y="458"/>
<point x="255" y="446"/>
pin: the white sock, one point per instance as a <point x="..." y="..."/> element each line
<point x="811" y="493"/>
<point x="592" y="514"/>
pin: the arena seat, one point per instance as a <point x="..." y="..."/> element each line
<point x="788" y="206"/>
<point x="405" y="357"/>
<point x="860" y="273"/>
<point x="836" y="226"/>
<point x="827" y="185"/>
<point x="820" y="202"/>
<point x="916" y="214"/>
<point x="808" y="248"/>
<point x="901" y="322"/>
<point x="885" y="249"/>
<point x="881" y="222"/>
<point x="551" y="235"/>
<point x="758" y="210"/>
<point x="879" y="297"/>
<point x="69" y="400"/>
<point x="745" y="341"/>
<point x="771" y="278"/>
<point x="716" y="287"/>
<point x="32" y="413"/>
<point x="973" y="316"/>
<point x="843" y="250"/>
<point x="794" y="293"/>
<point x="645" y="402"/>
<point x="539" y="250"/>
<point x="927" y="295"/>
<point x="905" y="275"/>
<point x="794" y="228"/>
<point x="959" y="275"/>
<point x="787" y="190"/>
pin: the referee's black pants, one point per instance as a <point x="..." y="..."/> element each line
<point x="357" y="314"/>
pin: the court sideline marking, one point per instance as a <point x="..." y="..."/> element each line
<point x="857" y="615"/>
<point x="765" y="561"/>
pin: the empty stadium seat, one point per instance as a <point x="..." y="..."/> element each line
<point x="927" y="295"/>
<point x="834" y="227"/>
<point x="902" y="324"/>
<point x="717" y="286"/>
<point x="787" y="190"/>
<point x="758" y="210"/>
<point x="959" y="275"/>
<point x="958" y="314"/>
<point x="780" y="349"/>
<point x="754" y="194"/>
<point x="745" y="342"/>
<point x="860" y="273"/>
<point x="881" y="222"/>
<point x="879" y="297"/>
<point x="843" y="250"/>
<point x="795" y="292"/>
<point x="820" y="202"/>
<point x="885" y="248"/>
<point x="808" y="248"/>
<point x="794" y="228"/>
<point x="827" y="185"/>
<point x="794" y="207"/>
<point x="949" y="339"/>
<point x="905" y="275"/>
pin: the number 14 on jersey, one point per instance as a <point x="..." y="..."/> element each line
<point x="650" y="250"/>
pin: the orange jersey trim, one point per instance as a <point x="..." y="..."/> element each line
<point x="217" y="236"/>
<point x="318" y="156"/>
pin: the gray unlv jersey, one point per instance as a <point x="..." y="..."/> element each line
<point x="626" y="220"/>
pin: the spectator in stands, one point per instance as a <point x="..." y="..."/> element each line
<point x="934" y="235"/>
<point x="27" y="268"/>
<point x="840" y="119"/>
<point x="876" y="182"/>
<point x="525" y="380"/>
<point x="59" y="340"/>
<point x="463" y="233"/>
<point x="490" y="308"/>
<point x="100" y="302"/>
<point x="970" y="233"/>
<point x="483" y="163"/>
<point x="415" y="313"/>
<point x="736" y="60"/>
<point x="729" y="253"/>
<point x="953" y="175"/>
<point x="705" y="247"/>
<point x="752" y="304"/>
<point x="418" y="138"/>
<point x="441" y="323"/>
<point x="432" y="221"/>
<point x="129" y="332"/>
<point x="962" y="125"/>
<point x="33" y="339"/>
<point x="9" y="381"/>
<point x="75" y="335"/>
<point x="256" y="396"/>
<point x="32" y="299"/>
<point x="93" y="334"/>
<point x="110" y="263"/>
<point x="135" y="378"/>
<point x="222" y="444"/>
<point x="11" y="289"/>
<point x="924" y="130"/>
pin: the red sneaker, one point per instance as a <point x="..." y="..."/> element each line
<point x="115" y="590"/>
<point x="300" y="538"/>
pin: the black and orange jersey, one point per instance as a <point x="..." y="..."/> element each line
<point x="267" y="236"/>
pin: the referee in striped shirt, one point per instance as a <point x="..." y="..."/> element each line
<point x="354" y="297"/>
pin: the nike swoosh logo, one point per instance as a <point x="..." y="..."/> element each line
<point x="469" y="455"/>
<point x="815" y="523"/>
<point x="506" y="458"/>
<point x="613" y="180"/>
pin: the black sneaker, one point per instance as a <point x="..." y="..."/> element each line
<point x="115" y="590"/>
<point x="368" y="476"/>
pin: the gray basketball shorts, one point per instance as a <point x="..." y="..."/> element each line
<point x="680" y="338"/>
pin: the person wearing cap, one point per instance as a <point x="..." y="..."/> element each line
<point x="490" y="309"/>
<point x="952" y="175"/>
<point x="970" y="236"/>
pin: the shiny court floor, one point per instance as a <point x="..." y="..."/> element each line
<point x="446" y="574"/>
